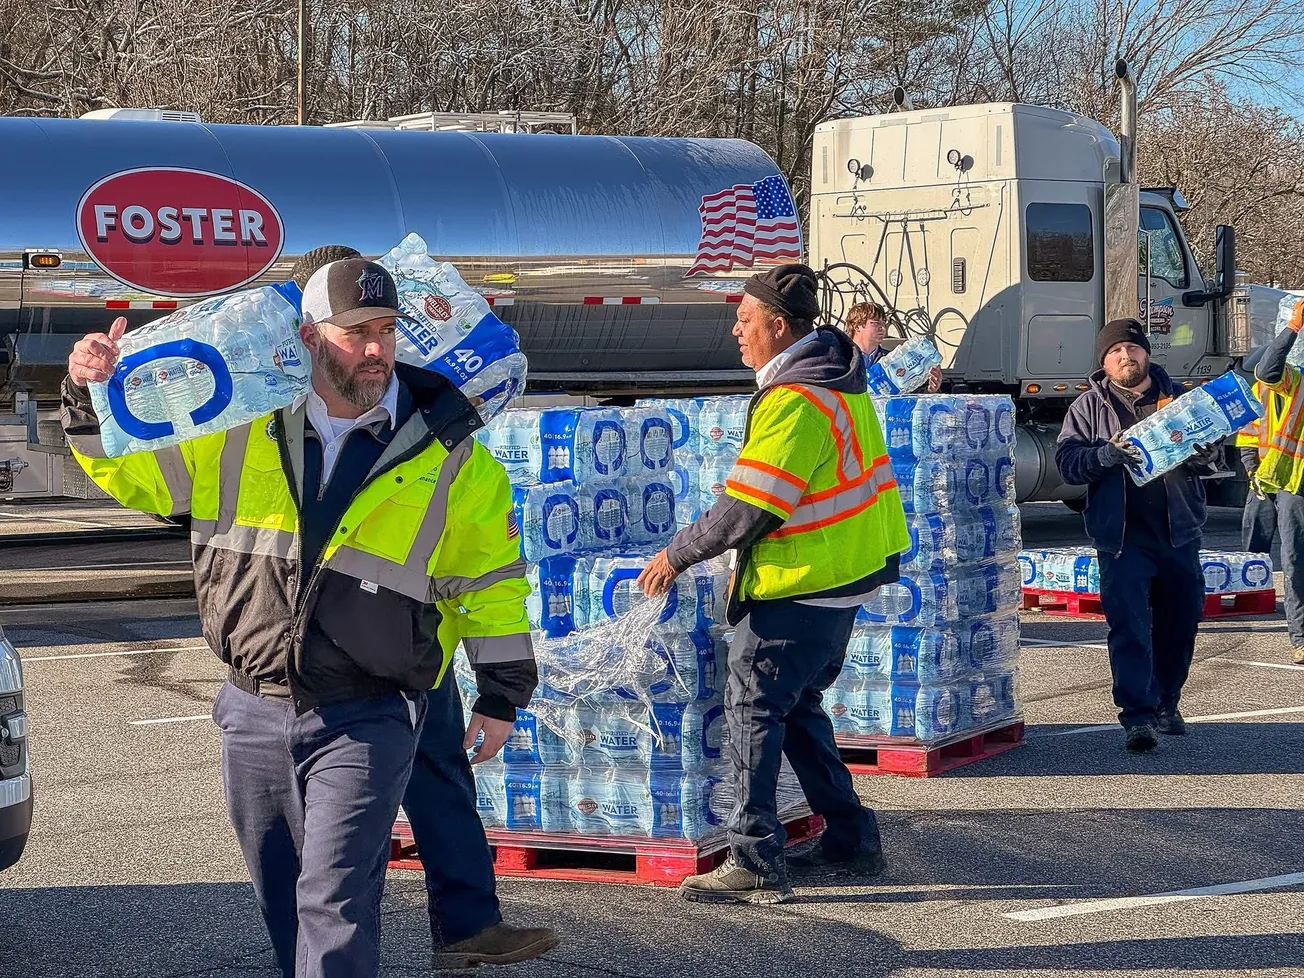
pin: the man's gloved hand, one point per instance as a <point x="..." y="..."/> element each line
<point x="1117" y="451"/>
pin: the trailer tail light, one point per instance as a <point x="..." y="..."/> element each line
<point x="44" y="261"/>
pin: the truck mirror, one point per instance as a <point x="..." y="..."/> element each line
<point x="1225" y="259"/>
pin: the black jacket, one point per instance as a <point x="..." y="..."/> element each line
<point x="1091" y="422"/>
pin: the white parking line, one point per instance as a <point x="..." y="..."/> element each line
<point x="104" y="655"/>
<point x="1176" y="896"/>
<point x="1266" y="665"/>
<point x="1061" y="645"/>
<point x="59" y="519"/>
<point x="1205" y="719"/>
<point x="150" y="723"/>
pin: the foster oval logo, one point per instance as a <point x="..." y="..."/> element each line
<point x="178" y="232"/>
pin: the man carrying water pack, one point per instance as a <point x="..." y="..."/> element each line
<point x="812" y="508"/>
<point x="466" y="923"/>
<point x="1274" y="460"/>
<point x="343" y="547"/>
<point x="867" y="327"/>
<point x="1147" y="537"/>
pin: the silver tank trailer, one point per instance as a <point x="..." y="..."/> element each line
<point x="585" y="243"/>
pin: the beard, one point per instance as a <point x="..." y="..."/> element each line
<point x="362" y="393"/>
<point x="1129" y="374"/>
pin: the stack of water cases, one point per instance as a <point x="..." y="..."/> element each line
<point x="609" y="746"/>
<point x="936" y="655"/>
<point x="708" y="435"/>
<point x="1078" y="570"/>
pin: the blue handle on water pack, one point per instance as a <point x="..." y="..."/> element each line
<point x="208" y="355"/>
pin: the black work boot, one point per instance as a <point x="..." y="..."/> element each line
<point x="1140" y="738"/>
<point x="1170" y="722"/>
<point x="499" y="944"/>
<point x="731" y="882"/>
<point x="815" y="859"/>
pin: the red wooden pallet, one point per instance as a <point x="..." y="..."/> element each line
<point x="594" y="859"/>
<point x="865" y="756"/>
<point x="1075" y="605"/>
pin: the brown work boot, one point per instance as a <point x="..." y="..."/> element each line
<point x="1299" y="655"/>
<point x="499" y="944"/>
<point x="731" y="883"/>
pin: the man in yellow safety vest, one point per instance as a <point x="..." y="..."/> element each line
<point x="1274" y="459"/>
<point x="813" y="511"/>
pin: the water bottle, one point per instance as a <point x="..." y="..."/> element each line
<point x="938" y="711"/>
<point x="987" y="642"/>
<point x="1168" y="437"/>
<point x="691" y="668"/>
<point x="604" y="515"/>
<point x="901" y="652"/>
<point x="209" y="367"/>
<point x="943" y="486"/>
<point x="649" y="440"/>
<point x="611" y="802"/>
<point x="652" y="509"/>
<point x="551" y="517"/>
<point x="686" y="479"/>
<point x="692" y="735"/>
<point x="689" y="806"/>
<point x="558" y="603"/>
<point x="984" y="533"/>
<point x="1086" y="572"/>
<point x="535" y="799"/>
<point x="513" y="439"/>
<point x="860" y="710"/>
<point x="722" y="422"/>
<point x="904" y="369"/>
<point x="580" y="444"/>
<point x="452" y="330"/>
<point x="989" y="588"/>
<point x="991" y="697"/>
<point x="533" y="742"/>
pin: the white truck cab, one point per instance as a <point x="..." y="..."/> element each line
<point x="15" y="769"/>
<point x="1009" y="235"/>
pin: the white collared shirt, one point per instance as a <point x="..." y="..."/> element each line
<point x="767" y="373"/>
<point x="332" y="431"/>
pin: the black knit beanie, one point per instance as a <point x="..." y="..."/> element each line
<point x="1120" y="331"/>
<point x="792" y="289"/>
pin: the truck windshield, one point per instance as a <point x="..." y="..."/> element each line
<point x="1167" y="259"/>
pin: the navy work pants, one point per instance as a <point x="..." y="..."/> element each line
<point x="783" y="656"/>
<point x="441" y="806"/>
<point x="1153" y="599"/>
<point x="313" y="800"/>
<point x="1281" y="512"/>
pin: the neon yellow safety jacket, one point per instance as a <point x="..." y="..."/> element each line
<point x="426" y="555"/>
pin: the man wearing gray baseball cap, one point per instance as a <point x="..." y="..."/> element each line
<point x="343" y="547"/>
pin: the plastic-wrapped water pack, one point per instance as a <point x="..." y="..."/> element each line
<point x="453" y="330"/>
<point x="203" y="369"/>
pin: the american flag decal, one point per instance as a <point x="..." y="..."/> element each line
<point x="513" y="530"/>
<point x="747" y="223"/>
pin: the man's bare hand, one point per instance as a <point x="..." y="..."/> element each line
<point x="495" y="732"/>
<point x="657" y="576"/>
<point x="95" y="356"/>
<point x="934" y="380"/>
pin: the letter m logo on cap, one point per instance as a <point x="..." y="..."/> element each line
<point x="371" y="286"/>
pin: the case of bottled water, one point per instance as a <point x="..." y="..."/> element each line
<point x="692" y="736"/>
<point x="683" y="413"/>
<point x="904" y="369"/>
<point x="1078" y="570"/>
<point x="514" y="439"/>
<point x="687" y="481"/>
<point x="899" y="709"/>
<point x="580" y="444"/>
<point x="944" y="594"/>
<point x="900" y="652"/>
<point x="453" y="331"/>
<point x="649" y="441"/>
<point x="1228" y="573"/>
<point x="722" y="422"/>
<point x="558" y="603"/>
<point x="1201" y="416"/>
<point x="206" y="368"/>
<point x="651" y="509"/>
<point x="693" y="603"/>
<point x="983" y="534"/>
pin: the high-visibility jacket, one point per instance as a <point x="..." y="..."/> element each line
<point x="1279" y="433"/>
<point x="816" y="458"/>
<point x="426" y="555"/>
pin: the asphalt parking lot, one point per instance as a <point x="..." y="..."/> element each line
<point x="1063" y="857"/>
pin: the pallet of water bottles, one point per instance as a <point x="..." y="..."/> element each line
<point x="603" y="859"/>
<point x="1066" y="582"/>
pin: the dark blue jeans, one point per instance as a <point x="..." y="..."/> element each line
<point x="1153" y="599"/>
<point x="1281" y="512"/>
<point x="441" y="805"/>
<point x="313" y="800"/>
<point x="783" y="656"/>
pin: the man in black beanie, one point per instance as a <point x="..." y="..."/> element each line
<point x="812" y="508"/>
<point x="1147" y="537"/>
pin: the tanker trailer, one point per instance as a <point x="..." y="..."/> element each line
<point x="616" y="259"/>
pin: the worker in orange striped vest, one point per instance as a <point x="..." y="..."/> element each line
<point x="813" y="511"/>
<point x="1274" y="460"/>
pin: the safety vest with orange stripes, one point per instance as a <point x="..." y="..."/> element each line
<point x="1279" y="433"/>
<point x="816" y="458"/>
